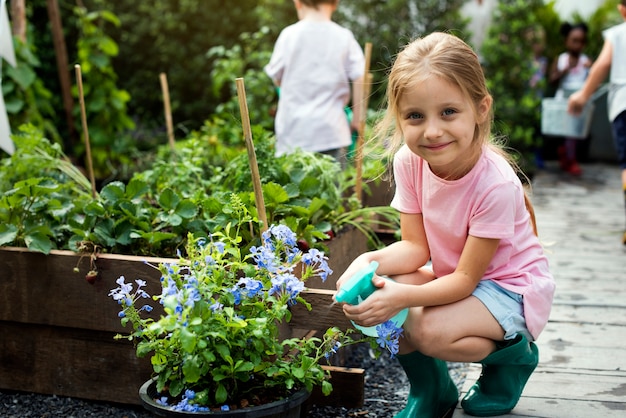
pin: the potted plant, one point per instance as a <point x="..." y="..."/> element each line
<point x="217" y="344"/>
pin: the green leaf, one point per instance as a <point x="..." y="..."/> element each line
<point x="38" y="241"/>
<point x="191" y="369"/>
<point x="274" y="193"/>
<point x="94" y="208"/>
<point x="168" y="199"/>
<point x="186" y="209"/>
<point x="221" y="394"/>
<point x="8" y="233"/>
<point x="187" y="339"/>
<point x="113" y="192"/>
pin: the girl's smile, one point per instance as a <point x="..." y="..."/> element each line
<point x="438" y="124"/>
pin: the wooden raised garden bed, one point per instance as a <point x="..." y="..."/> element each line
<point x="57" y="329"/>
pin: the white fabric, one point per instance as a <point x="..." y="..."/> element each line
<point x="314" y="63"/>
<point x="6" y="39"/>
<point x="616" y="35"/>
<point x="6" y="52"/>
<point x="575" y="77"/>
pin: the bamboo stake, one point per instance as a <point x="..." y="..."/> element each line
<point x="358" y="188"/>
<point x="254" y="168"/>
<point x="83" y="113"/>
<point x="167" y="109"/>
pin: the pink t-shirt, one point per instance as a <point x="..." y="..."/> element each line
<point x="488" y="202"/>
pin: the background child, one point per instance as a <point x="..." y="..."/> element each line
<point x="463" y="207"/>
<point x="612" y="58"/>
<point x="313" y="62"/>
<point x="569" y="71"/>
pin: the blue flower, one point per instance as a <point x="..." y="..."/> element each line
<point x="315" y="258"/>
<point x="282" y="233"/>
<point x="264" y="258"/>
<point x="249" y="287"/>
<point x="225" y="408"/>
<point x="219" y="246"/>
<point x="286" y="284"/>
<point x="216" y="307"/>
<point x="389" y="336"/>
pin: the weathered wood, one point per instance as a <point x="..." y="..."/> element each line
<point x="58" y="329"/>
<point x="549" y="391"/>
<point x="348" y="388"/>
<point x="31" y="281"/>
<point x="324" y="314"/>
<point x="72" y="362"/>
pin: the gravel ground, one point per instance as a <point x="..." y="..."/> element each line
<point x="386" y="390"/>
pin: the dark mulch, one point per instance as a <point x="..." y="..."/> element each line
<point x="386" y="389"/>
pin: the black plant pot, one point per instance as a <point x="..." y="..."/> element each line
<point x="291" y="407"/>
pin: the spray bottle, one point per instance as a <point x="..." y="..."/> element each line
<point x="358" y="288"/>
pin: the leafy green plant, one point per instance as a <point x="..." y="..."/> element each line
<point x="105" y="104"/>
<point x="245" y="59"/>
<point x="41" y="192"/>
<point x="218" y="341"/>
<point x="153" y="212"/>
<point x="26" y="97"/>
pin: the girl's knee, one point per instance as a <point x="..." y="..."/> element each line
<point x="423" y="333"/>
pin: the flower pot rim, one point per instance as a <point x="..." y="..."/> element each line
<point x="296" y="399"/>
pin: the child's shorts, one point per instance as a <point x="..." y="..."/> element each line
<point x="506" y="306"/>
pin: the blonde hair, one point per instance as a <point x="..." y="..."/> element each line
<point x="448" y="57"/>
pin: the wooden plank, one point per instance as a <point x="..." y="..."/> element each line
<point x="560" y="408"/>
<point x="553" y="392"/>
<point x="43" y="289"/>
<point x="583" y="346"/>
<point x="592" y="314"/>
<point x="348" y="388"/>
<point x="70" y="362"/>
<point x="324" y="314"/>
<point x="31" y="280"/>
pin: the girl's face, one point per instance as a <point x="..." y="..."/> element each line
<point x="575" y="41"/>
<point x="438" y="123"/>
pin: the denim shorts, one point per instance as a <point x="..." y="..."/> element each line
<point x="506" y="306"/>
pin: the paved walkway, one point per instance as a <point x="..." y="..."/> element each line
<point x="582" y="369"/>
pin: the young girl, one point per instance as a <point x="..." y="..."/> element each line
<point x="462" y="206"/>
<point x="569" y="72"/>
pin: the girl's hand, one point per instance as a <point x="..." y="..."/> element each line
<point x="381" y="306"/>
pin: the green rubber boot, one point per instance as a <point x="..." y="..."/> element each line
<point x="500" y="385"/>
<point x="433" y="394"/>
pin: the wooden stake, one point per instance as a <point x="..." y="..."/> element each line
<point x="358" y="188"/>
<point x="167" y="109"/>
<point x="254" y="168"/>
<point x="18" y="19"/>
<point x="60" y="51"/>
<point x="83" y="113"/>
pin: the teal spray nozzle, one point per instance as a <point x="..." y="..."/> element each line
<point x="358" y="288"/>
